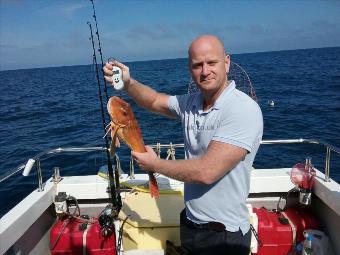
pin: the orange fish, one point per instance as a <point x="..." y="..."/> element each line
<point x="125" y="126"/>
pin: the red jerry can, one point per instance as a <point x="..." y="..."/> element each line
<point x="302" y="219"/>
<point x="278" y="232"/>
<point x="72" y="237"/>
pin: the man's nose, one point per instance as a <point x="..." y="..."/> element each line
<point x="205" y="69"/>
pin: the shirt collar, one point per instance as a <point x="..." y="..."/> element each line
<point x="198" y="102"/>
<point x="225" y="93"/>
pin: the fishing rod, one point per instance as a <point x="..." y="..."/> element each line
<point x="115" y="194"/>
<point x="105" y="89"/>
<point x="99" y="49"/>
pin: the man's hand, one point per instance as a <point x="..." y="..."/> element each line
<point x="108" y="72"/>
<point x="146" y="160"/>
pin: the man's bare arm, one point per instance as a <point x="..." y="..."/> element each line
<point x="144" y="96"/>
<point x="148" y="98"/>
<point x="219" y="159"/>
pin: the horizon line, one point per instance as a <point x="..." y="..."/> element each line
<point x="243" y="53"/>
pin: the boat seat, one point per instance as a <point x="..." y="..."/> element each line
<point x="151" y="222"/>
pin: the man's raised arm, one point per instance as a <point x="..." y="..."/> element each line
<point x="143" y="95"/>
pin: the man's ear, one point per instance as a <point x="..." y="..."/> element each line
<point x="227" y="63"/>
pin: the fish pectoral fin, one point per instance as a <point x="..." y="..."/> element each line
<point x="115" y="142"/>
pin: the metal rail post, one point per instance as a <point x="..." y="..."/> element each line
<point x="327" y="163"/>
<point x="39" y="174"/>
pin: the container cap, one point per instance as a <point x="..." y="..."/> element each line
<point x="309" y="237"/>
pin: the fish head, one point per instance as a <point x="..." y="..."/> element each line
<point x="124" y="124"/>
<point x="119" y="110"/>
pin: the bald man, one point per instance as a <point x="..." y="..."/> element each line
<point x="222" y="132"/>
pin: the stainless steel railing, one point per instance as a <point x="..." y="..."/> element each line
<point x="329" y="148"/>
<point x="37" y="159"/>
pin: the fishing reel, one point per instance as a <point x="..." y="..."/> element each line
<point x="106" y="220"/>
<point x="60" y="204"/>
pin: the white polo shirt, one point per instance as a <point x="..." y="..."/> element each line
<point x="234" y="119"/>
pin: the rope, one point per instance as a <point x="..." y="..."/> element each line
<point x="170" y="154"/>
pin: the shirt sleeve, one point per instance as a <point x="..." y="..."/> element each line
<point x="174" y="105"/>
<point x="177" y="104"/>
<point x="241" y="127"/>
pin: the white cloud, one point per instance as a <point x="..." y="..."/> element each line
<point x="71" y="9"/>
<point x="67" y="10"/>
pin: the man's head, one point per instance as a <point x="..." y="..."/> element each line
<point x="208" y="63"/>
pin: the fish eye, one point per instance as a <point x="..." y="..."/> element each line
<point x="123" y="110"/>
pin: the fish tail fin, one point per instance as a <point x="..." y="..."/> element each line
<point x="154" y="191"/>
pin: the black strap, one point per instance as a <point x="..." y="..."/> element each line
<point x="216" y="226"/>
<point x="256" y="235"/>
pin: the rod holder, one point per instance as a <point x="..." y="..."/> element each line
<point x="305" y="197"/>
<point x="56" y="175"/>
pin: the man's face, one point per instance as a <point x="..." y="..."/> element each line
<point x="208" y="65"/>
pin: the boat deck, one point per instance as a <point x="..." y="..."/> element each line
<point x="266" y="187"/>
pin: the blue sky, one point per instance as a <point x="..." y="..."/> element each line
<point x="44" y="33"/>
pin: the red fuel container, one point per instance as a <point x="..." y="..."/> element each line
<point x="278" y="232"/>
<point x="302" y="219"/>
<point x="69" y="237"/>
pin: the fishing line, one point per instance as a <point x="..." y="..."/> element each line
<point x="116" y="199"/>
<point x="99" y="49"/>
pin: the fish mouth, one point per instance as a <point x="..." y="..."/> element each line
<point x="115" y="101"/>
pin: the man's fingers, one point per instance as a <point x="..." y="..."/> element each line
<point x="120" y="65"/>
<point x="108" y="79"/>
<point x="108" y="66"/>
<point x="108" y="70"/>
<point x="148" y="148"/>
<point x="134" y="155"/>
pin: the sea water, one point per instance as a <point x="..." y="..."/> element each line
<point x="46" y="108"/>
